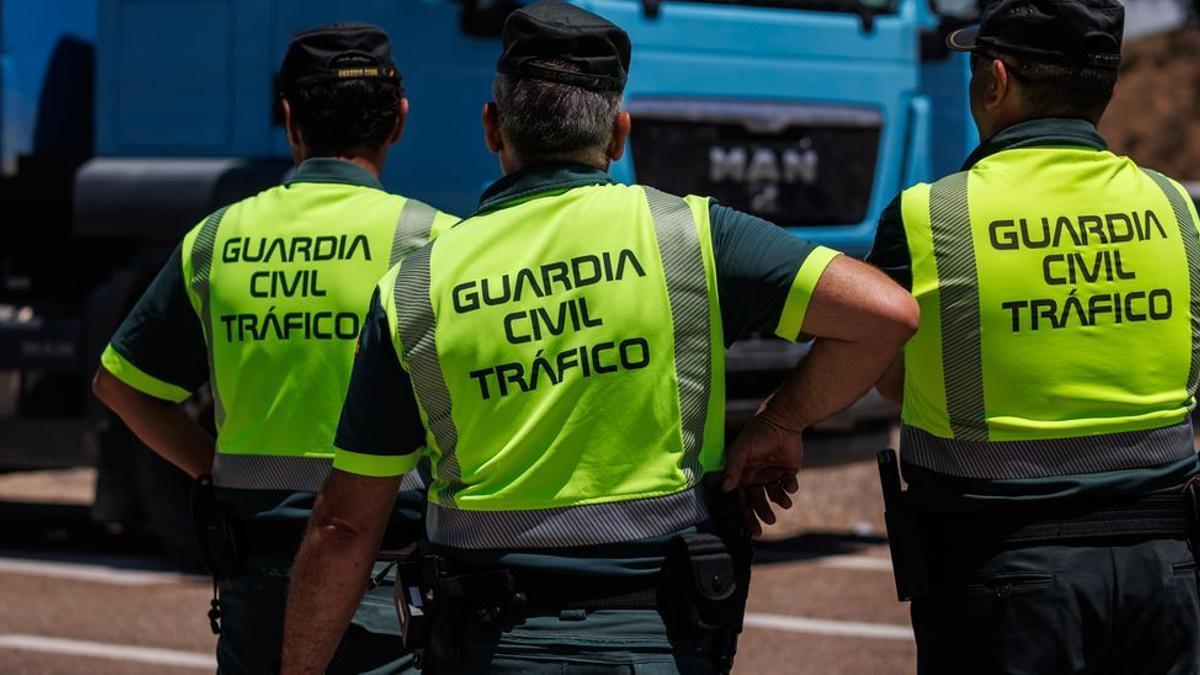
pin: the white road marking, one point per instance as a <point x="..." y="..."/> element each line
<point x="101" y="574"/>
<point x="100" y="650"/>
<point x="800" y="624"/>
<point x="856" y="562"/>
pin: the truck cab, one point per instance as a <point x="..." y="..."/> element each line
<point x="812" y="114"/>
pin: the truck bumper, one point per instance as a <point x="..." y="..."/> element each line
<point x="160" y="198"/>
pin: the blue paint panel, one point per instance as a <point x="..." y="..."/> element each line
<point x="744" y="53"/>
<point x="31" y="33"/>
<point x="193" y="78"/>
<point x="174" y="73"/>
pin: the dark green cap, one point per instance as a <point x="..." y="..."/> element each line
<point x="1067" y="32"/>
<point x="339" y="51"/>
<point x="537" y="36"/>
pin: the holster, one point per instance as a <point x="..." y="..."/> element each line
<point x="215" y="525"/>
<point x="906" y="541"/>
<point x="720" y="611"/>
<point x="701" y="584"/>
<point x="434" y="606"/>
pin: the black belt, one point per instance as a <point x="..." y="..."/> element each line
<point x="571" y="592"/>
<point x="547" y="591"/>
<point x="1151" y="517"/>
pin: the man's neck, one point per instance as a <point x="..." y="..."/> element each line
<point x="513" y="165"/>
<point x="372" y="165"/>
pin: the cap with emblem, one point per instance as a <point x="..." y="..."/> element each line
<point x="539" y="38"/>
<point x="1066" y="32"/>
<point x="339" y="51"/>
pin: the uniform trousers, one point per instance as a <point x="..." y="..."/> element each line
<point x="1115" y="608"/>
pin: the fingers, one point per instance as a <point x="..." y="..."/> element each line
<point x="762" y="507"/>
<point x="734" y="467"/>
<point x="748" y="518"/>
<point x="791" y="484"/>
<point x="779" y="495"/>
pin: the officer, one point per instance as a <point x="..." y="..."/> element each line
<point x="1046" y="395"/>
<point x="264" y="300"/>
<point x="564" y="347"/>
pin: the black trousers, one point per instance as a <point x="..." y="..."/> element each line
<point x="1121" y="609"/>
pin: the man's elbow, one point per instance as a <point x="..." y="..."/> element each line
<point x="899" y="317"/>
<point x="337" y="530"/>
<point x="891" y="391"/>
<point x="105" y="387"/>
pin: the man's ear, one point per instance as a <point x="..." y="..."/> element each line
<point x="401" y="118"/>
<point x="491" y="129"/>
<point x="1000" y="85"/>
<point x="622" y="125"/>
<point x="293" y="131"/>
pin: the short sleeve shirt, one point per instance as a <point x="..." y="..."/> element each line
<point x="765" y="279"/>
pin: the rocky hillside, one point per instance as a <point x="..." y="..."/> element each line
<point x="1155" y="116"/>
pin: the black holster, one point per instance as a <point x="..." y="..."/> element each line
<point x="724" y="615"/>
<point x="906" y="540"/>
<point x="216" y="529"/>
<point x="434" y="606"/>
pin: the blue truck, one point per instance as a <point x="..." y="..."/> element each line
<point x="126" y="121"/>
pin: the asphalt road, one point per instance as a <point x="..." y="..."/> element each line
<point x="77" y="599"/>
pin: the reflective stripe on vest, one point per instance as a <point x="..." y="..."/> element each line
<point x="461" y="519"/>
<point x="417" y="331"/>
<point x="268" y="295"/>
<point x="1000" y="460"/>
<point x="1191" y="242"/>
<point x="202" y="251"/>
<point x="962" y="357"/>
<point x="586" y="525"/>
<point x="1060" y="328"/>
<point x="280" y="472"/>
<point x="683" y="265"/>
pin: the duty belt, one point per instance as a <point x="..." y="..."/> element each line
<point x="1149" y="517"/>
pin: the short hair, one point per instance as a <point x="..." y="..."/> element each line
<point x="1056" y="90"/>
<point x="340" y="117"/>
<point x="547" y="120"/>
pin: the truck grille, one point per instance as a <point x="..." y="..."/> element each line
<point x="792" y="164"/>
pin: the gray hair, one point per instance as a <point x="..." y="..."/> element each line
<point x="547" y="120"/>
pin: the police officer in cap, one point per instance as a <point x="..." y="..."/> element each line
<point x="263" y="300"/>
<point x="564" y="348"/>
<point x="1046" y="397"/>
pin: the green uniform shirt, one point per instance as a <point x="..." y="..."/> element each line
<point x="891" y="253"/>
<point x="765" y="278"/>
<point x="160" y="348"/>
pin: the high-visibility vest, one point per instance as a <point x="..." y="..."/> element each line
<point x="281" y="282"/>
<point x="1060" y="317"/>
<point x="568" y="358"/>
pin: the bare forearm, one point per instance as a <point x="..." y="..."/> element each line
<point x="891" y="385"/>
<point x="328" y="580"/>
<point x="862" y="320"/>
<point x="833" y="376"/>
<point x="333" y="565"/>
<point x="163" y="426"/>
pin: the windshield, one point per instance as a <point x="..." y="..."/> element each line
<point x="967" y="10"/>
<point x="850" y="6"/>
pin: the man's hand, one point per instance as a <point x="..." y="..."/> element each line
<point x="333" y="565"/>
<point x="861" y="320"/>
<point x="766" y="452"/>
<point x="763" y="462"/>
